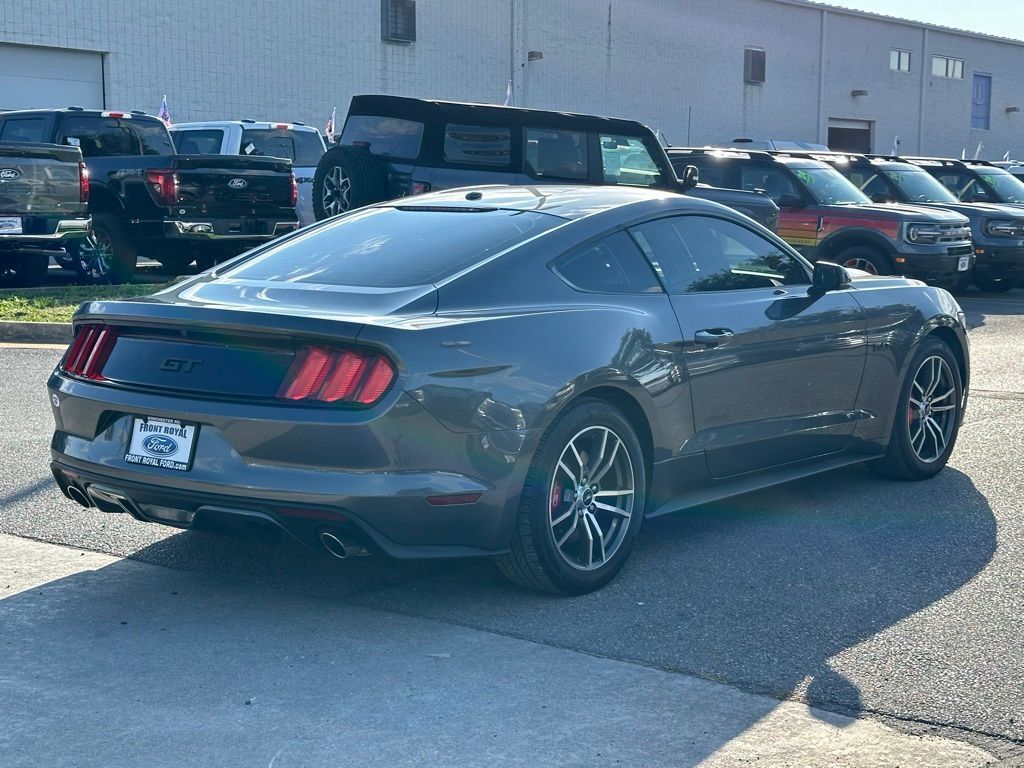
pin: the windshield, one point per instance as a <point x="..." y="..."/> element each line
<point x="1007" y="187"/>
<point x="829" y="187"/>
<point x="394" y="247"/>
<point x="920" y="186"/>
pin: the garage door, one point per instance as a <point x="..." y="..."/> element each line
<point x="49" y="77"/>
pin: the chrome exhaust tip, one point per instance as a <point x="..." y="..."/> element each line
<point x="341" y="546"/>
<point x="78" y="495"/>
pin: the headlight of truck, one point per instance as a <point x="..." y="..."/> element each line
<point x="923" y="234"/>
<point x="1003" y="228"/>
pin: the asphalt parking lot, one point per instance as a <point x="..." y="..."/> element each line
<point x="897" y="604"/>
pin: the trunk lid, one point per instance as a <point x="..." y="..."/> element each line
<point x="40" y="180"/>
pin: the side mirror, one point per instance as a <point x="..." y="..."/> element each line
<point x="690" y="177"/>
<point x="829" y="277"/>
<point x="790" y="200"/>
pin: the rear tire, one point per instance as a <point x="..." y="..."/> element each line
<point x="866" y="259"/>
<point x="927" y="419"/>
<point x="994" y="284"/>
<point x="563" y="541"/>
<point x="105" y="256"/>
<point x="347" y="178"/>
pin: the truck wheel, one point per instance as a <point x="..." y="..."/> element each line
<point x="866" y="259"/>
<point x="105" y="256"/>
<point x="23" y="270"/>
<point x="993" y="284"/>
<point x="347" y="178"/>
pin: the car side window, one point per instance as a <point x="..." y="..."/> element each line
<point x="964" y="186"/>
<point x="478" y="145"/>
<point x="711" y="172"/>
<point x="614" y="264"/>
<point x="774" y="181"/>
<point x="625" y="160"/>
<point x="873" y="184"/>
<point x="698" y="254"/>
<point x="556" y="154"/>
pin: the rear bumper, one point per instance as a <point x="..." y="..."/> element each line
<point x="227" y="230"/>
<point x="50" y="232"/>
<point x="370" y="472"/>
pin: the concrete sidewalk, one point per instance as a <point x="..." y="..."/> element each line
<point x="109" y="662"/>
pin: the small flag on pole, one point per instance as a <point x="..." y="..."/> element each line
<point x="895" y="147"/>
<point x="963" y="153"/>
<point x="163" y="112"/>
<point x="508" y="93"/>
<point x="329" y="128"/>
<point x="1006" y="157"/>
<point x="977" y="152"/>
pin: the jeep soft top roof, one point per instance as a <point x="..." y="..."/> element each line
<point x="427" y="110"/>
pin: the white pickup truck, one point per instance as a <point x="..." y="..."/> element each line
<point x="302" y="144"/>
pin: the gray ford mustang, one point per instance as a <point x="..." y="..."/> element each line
<point x="517" y="372"/>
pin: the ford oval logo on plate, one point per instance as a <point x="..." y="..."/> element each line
<point x="9" y="174"/>
<point x="238" y="183"/>
<point x="160" y="445"/>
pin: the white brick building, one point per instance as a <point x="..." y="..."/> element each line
<point x="678" y="65"/>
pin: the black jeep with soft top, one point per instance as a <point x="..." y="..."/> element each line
<point x="392" y="147"/>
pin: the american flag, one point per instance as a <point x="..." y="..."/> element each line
<point x="329" y="128"/>
<point x="163" y="113"/>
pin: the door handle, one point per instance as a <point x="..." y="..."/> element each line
<point x="712" y="337"/>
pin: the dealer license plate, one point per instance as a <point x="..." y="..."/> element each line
<point x="964" y="264"/>
<point x="164" y="443"/>
<point x="10" y="225"/>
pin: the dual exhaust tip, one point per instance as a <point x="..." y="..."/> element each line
<point x="77" y="495"/>
<point x="340" y="545"/>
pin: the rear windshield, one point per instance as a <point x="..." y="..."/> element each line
<point x="303" y="148"/>
<point x="384" y="136"/>
<point x="22" y="129"/>
<point x="110" y="136"/>
<point x="393" y="247"/>
<point x="205" y="142"/>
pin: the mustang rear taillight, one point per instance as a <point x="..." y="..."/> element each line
<point x="89" y="352"/>
<point x="336" y="375"/>
<point x="164" y="185"/>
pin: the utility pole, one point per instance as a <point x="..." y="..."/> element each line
<point x="517" y="52"/>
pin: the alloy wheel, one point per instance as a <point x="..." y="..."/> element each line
<point x="591" y="498"/>
<point x="931" y="410"/>
<point x="337" y="187"/>
<point x="862" y="264"/>
<point x="96" y="255"/>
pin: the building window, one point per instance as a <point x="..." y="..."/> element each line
<point x="981" y="102"/>
<point x="899" y="60"/>
<point x="398" y="21"/>
<point x="943" y="66"/>
<point x="753" y="65"/>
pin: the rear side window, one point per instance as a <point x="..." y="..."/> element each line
<point x="611" y="265"/>
<point x="556" y="154"/>
<point x="303" y="148"/>
<point x="110" y="136"/>
<point x="384" y="136"/>
<point x="711" y="172"/>
<point x="626" y="160"/>
<point x="774" y="181"/>
<point x="23" y="129"/>
<point x="198" y="142"/>
<point x="477" y="145"/>
<point x="395" y="247"/>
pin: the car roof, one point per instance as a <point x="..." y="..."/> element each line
<point x="795" y="159"/>
<point x="567" y="202"/>
<point x="260" y="124"/>
<point x="133" y="113"/>
<point x="430" y="109"/>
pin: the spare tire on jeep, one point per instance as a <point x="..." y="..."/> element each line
<point x="347" y="178"/>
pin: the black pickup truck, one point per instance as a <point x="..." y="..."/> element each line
<point x="146" y="200"/>
<point x="44" y="191"/>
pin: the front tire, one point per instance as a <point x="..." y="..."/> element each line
<point x="347" y="178"/>
<point x="105" y="256"/>
<point x="927" y="419"/>
<point x="866" y="259"/>
<point x="582" y="504"/>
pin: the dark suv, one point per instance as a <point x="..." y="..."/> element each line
<point x="997" y="230"/>
<point x="392" y="147"/>
<point x="1000" y="264"/>
<point x="824" y="216"/>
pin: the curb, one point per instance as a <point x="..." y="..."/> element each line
<point x="35" y="333"/>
